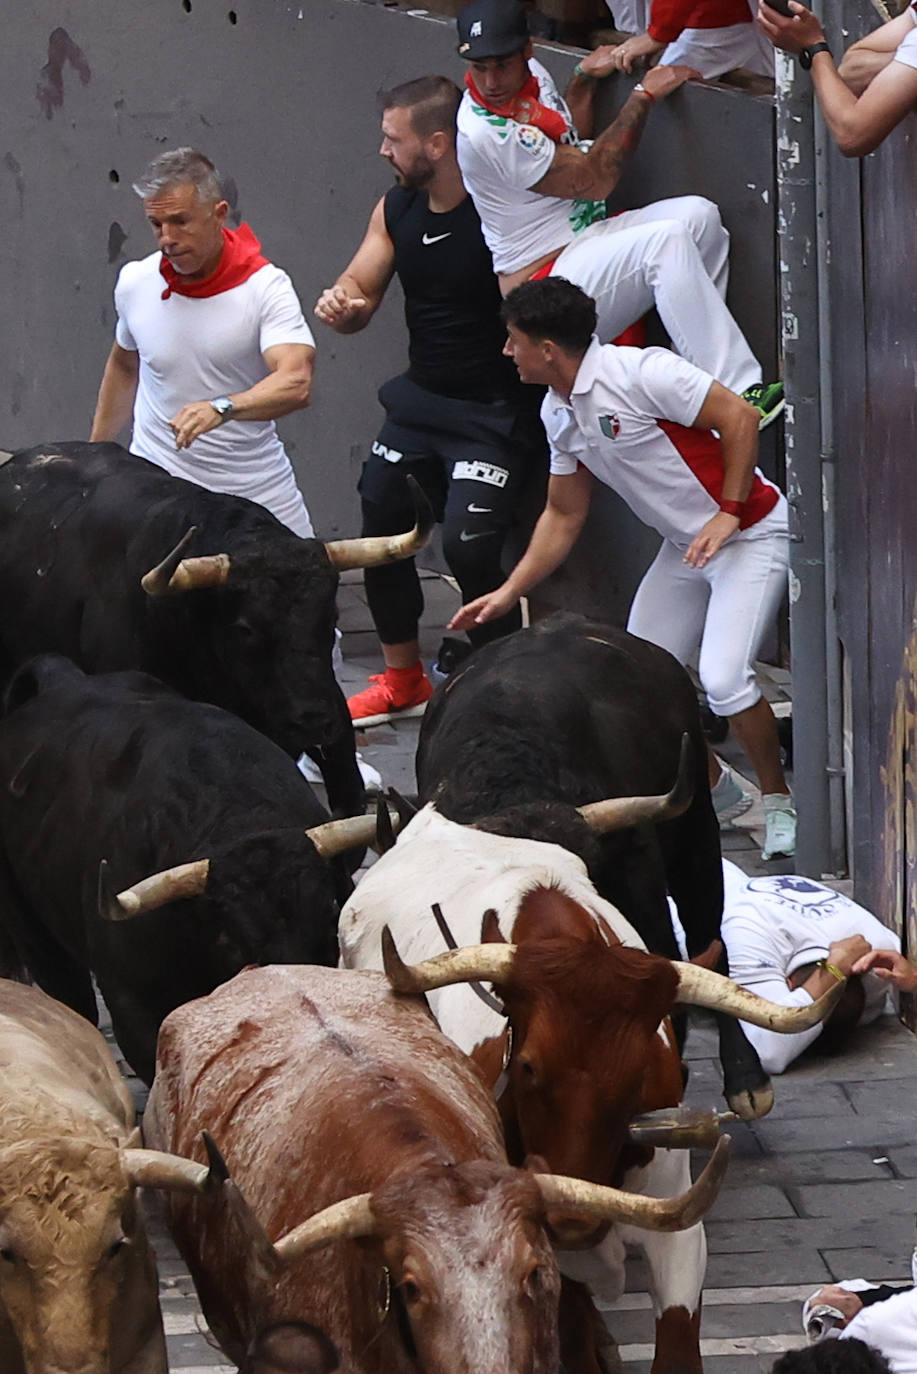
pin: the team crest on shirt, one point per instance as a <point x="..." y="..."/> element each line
<point x="610" y="426"/>
<point x="529" y="138"/>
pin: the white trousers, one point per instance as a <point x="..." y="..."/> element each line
<point x="725" y="609"/>
<point x="673" y="254"/>
<point x="715" y="51"/>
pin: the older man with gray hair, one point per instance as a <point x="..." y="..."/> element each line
<point x="210" y="346"/>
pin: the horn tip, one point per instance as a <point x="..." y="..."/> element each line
<point x="218" y="1170"/>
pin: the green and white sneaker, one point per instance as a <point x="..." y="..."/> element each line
<point x="779" y="826"/>
<point x="768" y="400"/>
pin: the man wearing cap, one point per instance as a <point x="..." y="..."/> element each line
<point x="540" y="192"/>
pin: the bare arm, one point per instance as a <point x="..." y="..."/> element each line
<point x="552" y="539"/>
<point x="737" y="425"/>
<point x="580" y="94"/>
<point x="593" y="175"/>
<point x="858" y="124"/>
<point x="349" y="305"/>
<point x="286" y="388"/>
<point x="864" y="59"/>
<point x="115" y="402"/>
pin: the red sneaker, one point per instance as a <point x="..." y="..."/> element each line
<point x="401" y="692"/>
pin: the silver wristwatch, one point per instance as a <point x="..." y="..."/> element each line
<point x="223" y="407"/>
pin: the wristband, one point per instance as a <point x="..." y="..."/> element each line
<point x="805" y="57"/>
<point x="736" y="508"/>
<point x="640" y="89"/>
<point x="578" y="71"/>
<point x="832" y="969"/>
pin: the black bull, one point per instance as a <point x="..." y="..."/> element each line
<point x="571" y="711"/>
<point x="80" y="526"/>
<point x="119" y="767"/>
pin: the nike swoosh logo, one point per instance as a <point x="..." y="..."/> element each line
<point x="478" y="510"/>
<point x="436" y="239"/>
<point x="478" y="534"/>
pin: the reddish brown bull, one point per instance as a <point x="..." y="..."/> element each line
<point x="337" y="1101"/>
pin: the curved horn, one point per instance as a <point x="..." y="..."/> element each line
<point x="594" y="1202"/>
<point x="171" y="885"/>
<point x="177" y="574"/>
<point x="475" y="963"/>
<point x="701" y="987"/>
<point x="344" y="1220"/>
<point x="617" y="813"/>
<point x="372" y="551"/>
<point x="155" y="1169"/>
<point x="353" y="832"/>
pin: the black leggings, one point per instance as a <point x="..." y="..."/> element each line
<point x="472" y="466"/>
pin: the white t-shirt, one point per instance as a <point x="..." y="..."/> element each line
<point x="890" y="1326"/>
<point x="500" y="161"/>
<point x="193" y="349"/>
<point x="629" y="421"/>
<point x="906" y="51"/>
<point x="773" y="925"/>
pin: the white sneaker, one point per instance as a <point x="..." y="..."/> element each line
<point x="372" y="778"/>
<point x="779" y="826"/>
<point x="729" y="799"/>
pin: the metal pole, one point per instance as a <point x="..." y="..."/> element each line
<point x="834" y="741"/>
<point x="800" y="332"/>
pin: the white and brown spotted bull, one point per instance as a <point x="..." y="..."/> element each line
<point x="78" y="1285"/>
<point x="370" y="1152"/>
<point x="580" y="1031"/>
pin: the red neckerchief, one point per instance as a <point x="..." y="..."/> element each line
<point x="240" y="259"/>
<point x="524" y="108"/>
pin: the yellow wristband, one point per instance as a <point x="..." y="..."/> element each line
<point x="832" y="969"/>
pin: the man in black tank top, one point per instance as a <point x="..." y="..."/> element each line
<point x="458" y="420"/>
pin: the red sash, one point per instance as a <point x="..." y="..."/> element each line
<point x="240" y="259"/>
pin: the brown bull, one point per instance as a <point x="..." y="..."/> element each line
<point x="370" y="1151"/>
<point x="78" y="1285"/>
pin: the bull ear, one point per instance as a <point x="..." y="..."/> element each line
<point x="491" y="934"/>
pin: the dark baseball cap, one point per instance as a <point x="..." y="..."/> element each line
<point x="491" y="28"/>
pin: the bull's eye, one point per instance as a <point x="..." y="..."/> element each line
<point x="527" y="1071"/>
<point x="7" y="1254"/>
<point x="117" y="1247"/>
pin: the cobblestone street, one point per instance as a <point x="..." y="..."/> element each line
<point x="823" y="1188"/>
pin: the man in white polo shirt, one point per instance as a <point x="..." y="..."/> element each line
<point x="642" y="421"/>
<point x="210" y="346"/>
<point x="540" y="191"/>
<point x="875" y="85"/>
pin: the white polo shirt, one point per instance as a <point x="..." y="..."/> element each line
<point x="906" y="51"/>
<point x="630" y="421"/>
<point x="500" y="161"/>
<point x="196" y="348"/>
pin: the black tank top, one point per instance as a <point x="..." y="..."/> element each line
<point x="451" y="299"/>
